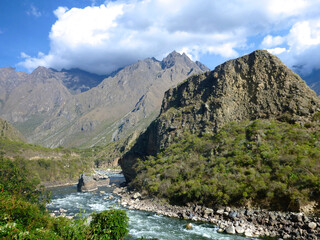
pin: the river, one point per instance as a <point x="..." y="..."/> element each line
<point x="141" y="224"/>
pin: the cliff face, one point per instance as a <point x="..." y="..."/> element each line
<point x="254" y="86"/>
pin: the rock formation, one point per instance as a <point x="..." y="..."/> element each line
<point x="88" y="183"/>
<point x="254" y="86"/>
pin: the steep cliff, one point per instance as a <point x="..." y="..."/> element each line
<point x="255" y="86"/>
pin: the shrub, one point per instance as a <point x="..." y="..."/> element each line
<point x="109" y="225"/>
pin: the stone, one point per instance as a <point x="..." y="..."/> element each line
<point x="61" y="210"/>
<point x="312" y="225"/>
<point x="239" y="229"/>
<point x="189" y="226"/>
<point x="248" y="233"/>
<point x="296" y="217"/>
<point x="208" y="211"/>
<point x="220" y="230"/>
<point x="233" y="214"/>
<point x="230" y="229"/>
<point x="136" y="195"/>
<point x="220" y="211"/>
<point x="86" y="183"/>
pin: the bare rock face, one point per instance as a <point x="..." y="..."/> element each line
<point x="254" y="86"/>
<point x="91" y="183"/>
<point x="86" y="183"/>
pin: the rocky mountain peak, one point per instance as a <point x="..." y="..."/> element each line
<point x="176" y="58"/>
<point x="41" y="73"/>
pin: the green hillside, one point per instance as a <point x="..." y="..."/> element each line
<point x="272" y="164"/>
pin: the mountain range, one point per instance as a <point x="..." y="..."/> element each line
<point x="74" y="108"/>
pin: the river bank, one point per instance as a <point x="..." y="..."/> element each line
<point x="70" y="182"/>
<point x="242" y="221"/>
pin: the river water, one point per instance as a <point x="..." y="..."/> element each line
<point x="141" y="224"/>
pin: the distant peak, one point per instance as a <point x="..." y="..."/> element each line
<point x="173" y="54"/>
<point x="8" y="68"/>
<point x="173" y="58"/>
<point x="41" y="73"/>
<point x="41" y="69"/>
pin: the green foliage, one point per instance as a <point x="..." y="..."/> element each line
<point x="267" y="163"/>
<point x="23" y="216"/>
<point x="109" y="225"/>
<point x="49" y="165"/>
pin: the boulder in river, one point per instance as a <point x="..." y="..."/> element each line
<point x="189" y="226"/>
<point x="86" y="183"/>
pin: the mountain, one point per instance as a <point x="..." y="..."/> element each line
<point x="49" y="108"/>
<point x="255" y="86"/>
<point x="9" y="132"/>
<point x="313" y="80"/>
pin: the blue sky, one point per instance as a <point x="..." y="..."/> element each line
<point x="100" y="36"/>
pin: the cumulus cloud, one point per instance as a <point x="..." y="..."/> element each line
<point x="104" y="38"/>
<point x="303" y="46"/>
<point x="277" y="51"/>
<point x="270" y="41"/>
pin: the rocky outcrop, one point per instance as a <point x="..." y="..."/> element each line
<point x="88" y="183"/>
<point x="254" y="86"/>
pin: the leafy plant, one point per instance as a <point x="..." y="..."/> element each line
<point x="109" y="225"/>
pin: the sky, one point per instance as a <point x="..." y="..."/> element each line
<point x="101" y="36"/>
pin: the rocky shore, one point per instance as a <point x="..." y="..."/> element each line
<point x="242" y="221"/>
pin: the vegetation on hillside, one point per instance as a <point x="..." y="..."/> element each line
<point x="272" y="164"/>
<point x="23" y="214"/>
<point x="50" y="165"/>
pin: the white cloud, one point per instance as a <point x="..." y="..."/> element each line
<point x="303" y="46"/>
<point x="103" y="38"/>
<point x="33" y="11"/>
<point x="277" y="51"/>
<point x="270" y="41"/>
<point x="60" y="11"/>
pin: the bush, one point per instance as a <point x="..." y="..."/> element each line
<point x="109" y="225"/>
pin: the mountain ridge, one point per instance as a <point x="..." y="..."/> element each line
<point x="52" y="115"/>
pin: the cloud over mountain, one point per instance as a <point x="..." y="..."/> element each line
<point x="103" y="38"/>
